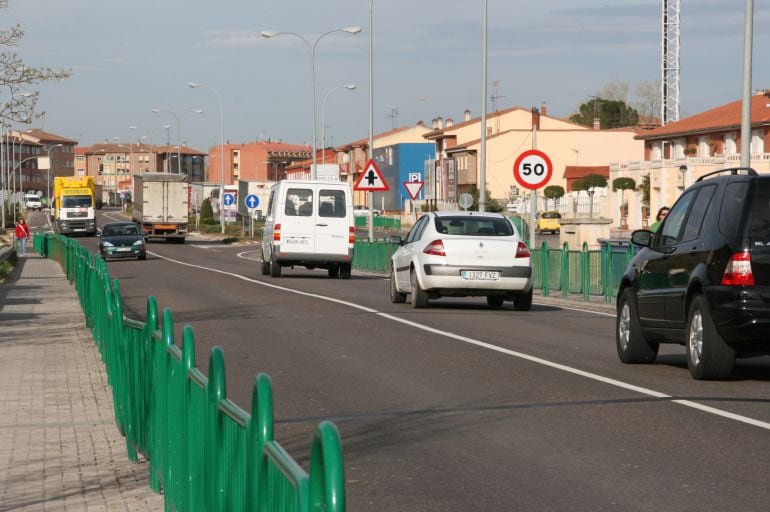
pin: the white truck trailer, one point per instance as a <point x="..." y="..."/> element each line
<point x="161" y="202"/>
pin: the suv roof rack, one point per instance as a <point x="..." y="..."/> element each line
<point x="732" y="170"/>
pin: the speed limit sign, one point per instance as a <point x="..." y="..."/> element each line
<point x="533" y="169"/>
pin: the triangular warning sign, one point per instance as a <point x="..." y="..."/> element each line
<point x="371" y="179"/>
<point x="414" y="188"/>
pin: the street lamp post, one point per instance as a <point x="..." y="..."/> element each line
<point x="195" y="85"/>
<point x="371" y="124"/>
<point x="48" y="181"/>
<point x="12" y="175"/>
<point x="350" y="30"/>
<point x="178" y="131"/>
<point x="349" y="87"/>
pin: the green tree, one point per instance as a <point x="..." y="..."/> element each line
<point x="611" y="114"/>
<point x="554" y="192"/>
<point x="588" y="182"/>
<point x="623" y="184"/>
<point x="206" y="213"/>
<point x="492" y="205"/>
<point x="16" y="77"/>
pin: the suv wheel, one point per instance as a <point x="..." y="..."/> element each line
<point x="396" y="297"/>
<point x="334" y="270"/>
<point x="419" y="297"/>
<point x="345" y="270"/>
<point x="708" y="356"/>
<point x="632" y="346"/>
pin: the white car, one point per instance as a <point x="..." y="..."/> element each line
<point x="462" y="254"/>
<point x="363" y="211"/>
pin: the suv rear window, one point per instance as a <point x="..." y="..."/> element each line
<point x="760" y="214"/>
<point x="732" y="207"/>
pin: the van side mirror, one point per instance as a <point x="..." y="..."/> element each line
<point x="642" y="237"/>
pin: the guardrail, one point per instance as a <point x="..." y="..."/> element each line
<point x="380" y="222"/>
<point x="205" y="452"/>
<point x="586" y="273"/>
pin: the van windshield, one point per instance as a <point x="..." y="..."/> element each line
<point x="551" y="215"/>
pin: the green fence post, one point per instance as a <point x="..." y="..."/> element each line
<point x="260" y="432"/>
<point x="585" y="282"/>
<point x="327" y="470"/>
<point x="216" y="391"/>
<point x="565" y="270"/>
<point x="544" y="258"/>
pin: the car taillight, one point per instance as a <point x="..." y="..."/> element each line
<point x="738" y="271"/>
<point x="435" y="248"/>
<point x="277" y="233"/>
<point x="522" y="251"/>
<point x="352" y="235"/>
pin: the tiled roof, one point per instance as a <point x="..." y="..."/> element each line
<point x="721" y="118"/>
<point x="580" y="171"/>
<point x="42" y="136"/>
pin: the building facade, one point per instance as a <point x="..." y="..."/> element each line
<point x="22" y="149"/>
<point x="677" y="154"/>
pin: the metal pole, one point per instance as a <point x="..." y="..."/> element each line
<point x="483" y="149"/>
<point x="533" y="197"/>
<point x="48" y="180"/>
<point x="3" y="180"/>
<point x="371" y="122"/>
<point x="748" y="35"/>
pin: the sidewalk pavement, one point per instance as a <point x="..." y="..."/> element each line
<point x="60" y="448"/>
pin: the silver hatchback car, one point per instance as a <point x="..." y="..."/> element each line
<point x="462" y="254"/>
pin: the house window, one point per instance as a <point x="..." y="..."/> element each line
<point x="679" y="145"/>
<point x="729" y="140"/>
<point x="757" y="142"/>
<point x="703" y="147"/>
<point x="657" y="151"/>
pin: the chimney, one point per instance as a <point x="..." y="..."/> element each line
<point x="440" y="122"/>
<point x="467" y="115"/>
<point x="543" y="109"/>
<point x="535" y="118"/>
<point x="449" y="122"/>
<point x="597" y="123"/>
<point x="420" y="123"/>
<point x="434" y="123"/>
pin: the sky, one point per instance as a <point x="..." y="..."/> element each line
<point x="128" y="58"/>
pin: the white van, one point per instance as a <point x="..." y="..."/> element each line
<point x="32" y="202"/>
<point x="309" y="223"/>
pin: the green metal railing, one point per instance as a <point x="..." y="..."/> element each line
<point x="204" y="452"/>
<point x="585" y="272"/>
<point x="380" y="222"/>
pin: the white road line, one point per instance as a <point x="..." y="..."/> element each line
<point x="557" y="366"/>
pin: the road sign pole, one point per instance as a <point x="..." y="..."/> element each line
<point x="371" y="217"/>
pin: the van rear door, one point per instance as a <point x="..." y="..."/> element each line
<point x="332" y="227"/>
<point x="298" y="220"/>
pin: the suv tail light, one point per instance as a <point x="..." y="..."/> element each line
<point x="435" y="248"/>
<point x="738" y="271"/>
<point x="277" y="233"/>
<point x="352" y="235"/>
<point x="522" y="251"/>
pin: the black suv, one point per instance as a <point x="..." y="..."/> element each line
<point x="703" y="278"/>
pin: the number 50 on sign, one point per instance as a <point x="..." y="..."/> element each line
<point x="533" y="169"/>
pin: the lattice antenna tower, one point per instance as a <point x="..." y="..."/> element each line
<point x="494" y="97"/>
<point x="670" y="62"/>
<point x="393" y="116"/>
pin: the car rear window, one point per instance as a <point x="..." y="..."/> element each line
<point x="760" y="214"/>
<point x="474" y="226"/>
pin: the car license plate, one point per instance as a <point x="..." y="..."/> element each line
<point x="480" y="275"/>
<point x="123" y="249"/>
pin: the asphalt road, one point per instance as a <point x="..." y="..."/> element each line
<point x="459" y="407"/>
